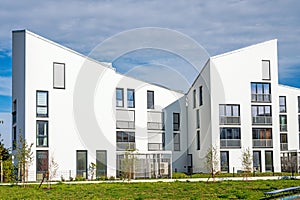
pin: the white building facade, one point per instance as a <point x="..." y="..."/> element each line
<point x="81" y="111"/>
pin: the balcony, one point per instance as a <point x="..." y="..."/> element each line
<point x="283" y="146"/>
<point x="155" y="126"/>
<point x="230" y="143"/>
<point x="262" y="120"/>
<point x="155" y="146"/>
<point x="123" y="146"/>
<point x="261" y="98"/>
<point x="283" y="127"/>
<point x="230" y="120"/>
<point x="262" y="143"/>
<point x="125" y="124"/>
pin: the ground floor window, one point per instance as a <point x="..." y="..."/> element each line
<point x="257" y="161"/>
<point x="269" y="160"/>
<point x="225" y="161"/>
<point x="81" y="163"/>
<point x="42" y="163"/>
<point x="101" y="163"/>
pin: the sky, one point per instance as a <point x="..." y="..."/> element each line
<point x="218" y="26"/>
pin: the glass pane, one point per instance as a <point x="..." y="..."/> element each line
<point x="222" y="110"/>
<point x="259" y="88"/>
<point x="41" y="161"/>
<point x="150" y="99"/>
<point x="41" y="98"/>
<point x="235" y="110"/>
<point x="253" y="88"/>
<point x="228" y="111"/>
<point x="267" y="88"/>
<point x="254" y="111"/>
<point x="82" y="163"/>
<point x="101" y="166"/>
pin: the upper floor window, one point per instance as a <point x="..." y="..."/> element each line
<point x="150" y="99"/>
<point x="261" y="92"/>
<point x="59" y="75"/>
<point x="119" y="97"/>
<point x="14" y="112"/>
<point x="130" y="98"/>
<point x="176" y="121"/>
<point x="42" y="103"/>
<point x="41" y="133"/>
<point x="200" y="96"/>
<point x="283" y="123"/>
<point x="194" y="98"/>
<point x="198" y="140"/>
<point x="261" y="114"/>
<point x="198" y="118"/>
<point x="282" y="104"/>
<point x="229" y="114"/>
<point x="266" y="71"/>
<point x="230" y="137"/>
<point x="176" y="141"/>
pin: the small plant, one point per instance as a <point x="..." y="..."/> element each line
<point x="111" y="178"/>
<point x="71" y="178"/>
<point x="62" y="178"/>
<point x="92" y="170"/>
<point x="80" y="178"/>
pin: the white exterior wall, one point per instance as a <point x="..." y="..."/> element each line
<point x="5" y="129"/>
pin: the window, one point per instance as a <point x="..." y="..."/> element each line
<point x="261" y="115"/>
<point x="119" y="97"/>
<point x="125" y="140"/>
<point x="262" y="137"/>
<point x="257" y="161"/>
<point x="58" y="75"/>
<point x="194" y="99"/>
<point x="198" y="118"/>
<point x="198" y="140"/>
<point x="101" y="163"/>
<point x="130" y="98"/>
<point x="224" y="161"/>
<point x="41" y="103"/>
<point x="14" y="112"/>
<point x="266" y="71"/>
<point x="200" y="96"/>
<point x="176" y="140"/>
<point x="176" y="121"/>
<point x="283" y="123"/>
<point x="260" y="92"/>
<point x="14" y="137"/>
<point x="269" y="160"/>
<point x="81" y="163"/>
<point x="283" y="142"/>
<point x="41" y="163"/>
<point x="42" y="133"/>
<point x="230" y="137"/>
<point x="282" y="104"/>
<point x="150" y="99"/>
<point x="229" y="114"/>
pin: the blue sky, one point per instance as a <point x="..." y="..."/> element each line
<point x="218" y="25"/>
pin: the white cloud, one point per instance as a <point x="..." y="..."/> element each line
<point x="5" y="86"/>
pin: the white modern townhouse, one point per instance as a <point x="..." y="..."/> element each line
<point x="78" y="111"/>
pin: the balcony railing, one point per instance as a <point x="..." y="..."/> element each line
<point x="155" y="146"/>
<point x="125" y="124"/>
<point x="261" y="97"/>
<point x="155" y="126"/>
<point x="230" y="143"/>
<point x="262" y="143"/>
<point x="262" y="120"/>
<point x="122" y="146"/>
<point x="233" y="120"/>
<point x="283" y="146"/>
<point x="283" y="127"/>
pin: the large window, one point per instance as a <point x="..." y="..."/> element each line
<point x="224" y="161"/>
<point x="101" y="163"/>
<point x="260" y="92"/>
<point x="176" y="121"/>
<point x="42" y="163"/>
<point x="283" y="123"/>
<point x="262" y="137"/>
<point x="283" y="142"/>
<point x="41" y="103"/>
<point x="176" y="141"/>
<point x="261" y="115"/>
<point x="282" y="104"/>
<point x="119" y="97"/>
<point x="230" y="137"/>
<point x="42" y="133"/>
<point x="59" y="75"/>
<point x="229" y="114"/>
<point x="125" y="140"/>
<point x="200" y="96"/>
<point x="257" y="161"/>
<point x="81" y="163"/>
<point x="198" y="140"/>
<point x="268" y="161"/>
<point x="130" y="98"/>
<point x="266" y="71"/>
<point x="150" y="99"/>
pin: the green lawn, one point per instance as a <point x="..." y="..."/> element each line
<point x="159" y="190"/>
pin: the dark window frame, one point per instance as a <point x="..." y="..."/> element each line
<point x="120" y="99"/>
<point x="42" y="106"/>
<point x="64" y="67"/>
<point x="150" y="101"/>
<point x="176" y="145"/>
<point x="282" y="105"/>
<point x="200" y="96"/>
<point x="86" y="162"/>
<point x="176" y="124"/>
<point x="130" y="98"/>
<point x="198" y="140"/>
<point x="40" y="136"/>
<point x="269" y="66"/>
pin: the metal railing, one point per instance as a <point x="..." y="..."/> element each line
<point x="125" y="124"/>
<point x="155" y="147"/>
<point x="262" y="120"/>
<point x="122" y="146"/>
<point x="155" y="126"/>
<point x="262" y="143"/>
<point x="230" y="143"/>
<point x="283" y="127"/>
<point x="261" y="97"/>
<point x="283" y="146"/>
<point x="230" y="120"/>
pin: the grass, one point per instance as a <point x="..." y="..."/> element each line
<point x="158" y="190"/>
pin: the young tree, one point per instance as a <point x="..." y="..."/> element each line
<point x="24" y="158"/>
<point x="52" y="170"/>
<point x="212" y="161"/>
<point x="247" y="162"/>
<point x="92" y="170"/>
<point x="128" y="164"/>
<point x="4" y="156"/>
